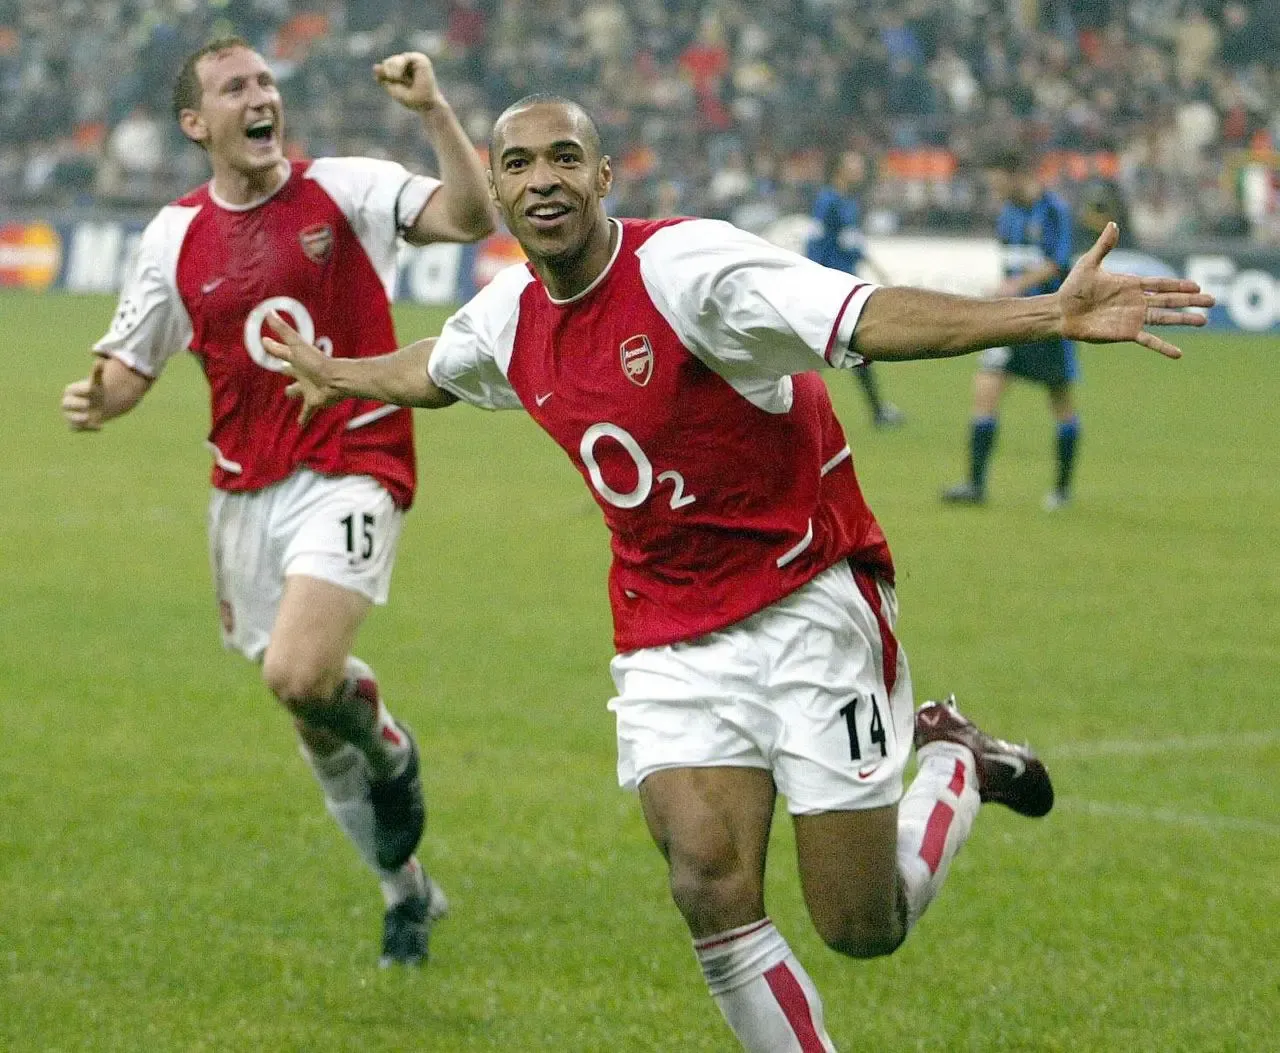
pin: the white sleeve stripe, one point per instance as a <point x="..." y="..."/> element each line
<point x="234" y="467"/>
<point x="368" y="418"/>
<point x="836" y="461"/>
<point x="797" y="548"/>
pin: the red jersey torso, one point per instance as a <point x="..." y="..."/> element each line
<point x="716" y="506"/>
<point x="209" y="274"/>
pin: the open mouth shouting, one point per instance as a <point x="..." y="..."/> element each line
<point x="262" y="133"/>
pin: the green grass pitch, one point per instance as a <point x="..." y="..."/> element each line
<point x="169" y="881"/>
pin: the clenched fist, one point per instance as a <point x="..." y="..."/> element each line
<point x="410" y="79"/>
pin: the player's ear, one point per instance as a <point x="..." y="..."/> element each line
<point x="604" y="177"/>
<point x="193" y="126"/>
<point x="493" y="190"/>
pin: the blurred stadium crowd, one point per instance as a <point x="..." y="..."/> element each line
<point x="710" y="107"/>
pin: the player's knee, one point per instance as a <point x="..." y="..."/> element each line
<point x="862" y="935"/>
<point x="299" y="683"/>
<point x="713" y="889"/>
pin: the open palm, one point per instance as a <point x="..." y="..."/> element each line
<point x="1099" y="307"/>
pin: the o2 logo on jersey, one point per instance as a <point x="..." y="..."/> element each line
<point x="636" y="354"/>
<point x="293" y="312"/>
<point x="638" y="494"/>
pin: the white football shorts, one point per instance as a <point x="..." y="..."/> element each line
<point x="340" y="529"/>
<point x="798" y="689"/>
<point x="994" y="359"/>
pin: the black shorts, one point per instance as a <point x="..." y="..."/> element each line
<point x="1049" y="362"/>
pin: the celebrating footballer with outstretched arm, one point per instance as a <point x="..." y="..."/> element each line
<point x="303" y="523"/>
<point x="751" y="586"/>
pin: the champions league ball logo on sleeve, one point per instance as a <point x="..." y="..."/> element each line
<point x="637" y="359"/>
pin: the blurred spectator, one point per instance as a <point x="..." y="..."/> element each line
<point x="737" y="98"/>
<point x="135" y="156"/>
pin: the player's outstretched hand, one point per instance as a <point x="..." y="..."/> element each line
<point x="1099" y="307"/>
<point x="410" y="79"/>
<point x="83" y="400"/>
<point x="308" y="366"/>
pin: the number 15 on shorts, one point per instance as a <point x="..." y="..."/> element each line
<point x="358" y="533"/>
<point x="864" y="712"/>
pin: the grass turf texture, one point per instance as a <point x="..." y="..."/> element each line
<point x="169" y="881"/>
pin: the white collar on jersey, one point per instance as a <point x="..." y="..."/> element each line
<point x="599" y="277"/>
<point x="288" y="171"/>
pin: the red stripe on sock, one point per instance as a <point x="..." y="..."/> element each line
<point x="795" y="1007"/>
<point x="935" y="835"/>
<point x="956" y="785"/>
<point x="367" y="692"/>
<point x="720" y="941"/>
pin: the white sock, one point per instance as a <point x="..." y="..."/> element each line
<point x="400" y="885"/>
<point x="344" y="778"/>
<point x="934" y="820"/>
<point x="385" y="745"/>
<point x="763" y="991"/>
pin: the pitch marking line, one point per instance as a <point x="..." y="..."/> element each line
<point x="1217" y="823"/>
<point x="1242" y="742"/>
<point x="1255" y="740"/>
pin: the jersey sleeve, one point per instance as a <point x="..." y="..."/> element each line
<point x="747" y="307"/>
<point x="381" y="200"/>
<point x="473" y="351"/>
<point x="151" y="324"/>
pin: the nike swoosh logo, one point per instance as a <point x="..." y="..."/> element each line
<point x="540" y="399"/>
<point x="208" y="287"/>
<point x="1009" y="761"/>
<point x="866" y="773"/>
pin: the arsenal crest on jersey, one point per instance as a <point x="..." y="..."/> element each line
<point x="317" y="242"/>
<point x="637" y="359"/>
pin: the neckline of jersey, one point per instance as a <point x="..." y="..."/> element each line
<point x="213" y="196"/>
<point x="599" y="277"/>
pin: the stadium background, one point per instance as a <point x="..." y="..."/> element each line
<point x="1169" y="109"/>
<point x="166" y="879"/>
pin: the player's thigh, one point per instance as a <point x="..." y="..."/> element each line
<point x="848" y="870"/>
<point x="315" y="630"/>
<point x="848" y="721"/>
<point x="339" y="543"/>
<point x="712" y="824"/>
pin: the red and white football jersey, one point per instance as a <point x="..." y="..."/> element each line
<point x="321" y="251"/>
<point x="681" y="385"/>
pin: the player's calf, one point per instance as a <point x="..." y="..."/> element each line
<point x="352" y="709"/>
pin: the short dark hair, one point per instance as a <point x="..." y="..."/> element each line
<point x="540" y="98"/>
<point x="187" y="90"/>
<point x="1012" y="159"/>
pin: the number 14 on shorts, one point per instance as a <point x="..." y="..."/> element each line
<point x="864" y="711"/>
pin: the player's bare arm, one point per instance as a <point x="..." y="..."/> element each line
<point x="459" y="210"/>
<point x="399" y="378"/>
<point x="1093" y="305"/>
<point x="110" y="390"/>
